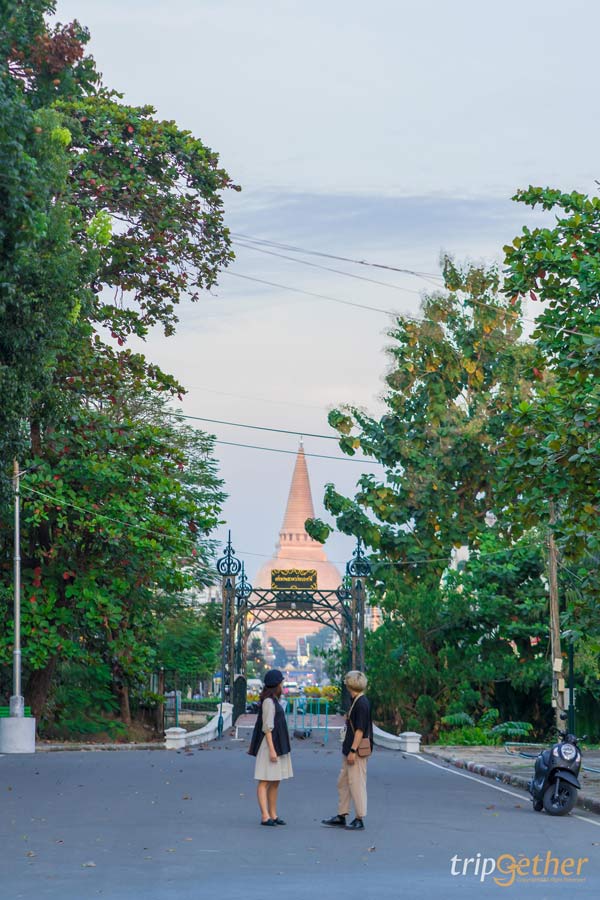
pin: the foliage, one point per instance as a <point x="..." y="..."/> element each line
<point x="114" y="517"/>
<point x="446" y="636"/>
<point x="257" y="664"/>
<point x="190" y="643"/>
<point x="109" y="217"/>
<point x="464" y="730"/>
<point x="329" y="692"/>
<point x="44" y="273"/>
<point x="453" y="376"/>
<point x="552" y="451"/>
<point x="83" y="702"/>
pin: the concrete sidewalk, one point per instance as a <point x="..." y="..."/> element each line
<point x="511" y="768"/>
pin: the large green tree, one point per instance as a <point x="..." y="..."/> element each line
<point x="44" y="274"/>
<point x="552" y="449"/>
<point x="125" y="497"/>
<point x="454" y="377"/>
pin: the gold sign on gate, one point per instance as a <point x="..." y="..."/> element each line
<point x="294" y="580"/>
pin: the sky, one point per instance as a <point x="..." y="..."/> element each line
<point x="389" y="131"/>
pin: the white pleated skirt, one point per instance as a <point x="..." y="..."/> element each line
<point x="265" y="770"/>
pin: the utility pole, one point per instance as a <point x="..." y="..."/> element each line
<point x="17" y="702"/>
<point x="555" y="648"/>
<point x="17" y="732"/>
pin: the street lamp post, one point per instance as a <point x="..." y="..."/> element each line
<point x="17" y="702"/>
<point x="17" y="731"/>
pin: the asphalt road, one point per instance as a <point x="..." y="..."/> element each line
<point x="158" y="825"/>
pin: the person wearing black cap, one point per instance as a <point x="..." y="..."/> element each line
<point x="270" y="744"/>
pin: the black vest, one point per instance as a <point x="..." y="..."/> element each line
<point x="281" y="738"/>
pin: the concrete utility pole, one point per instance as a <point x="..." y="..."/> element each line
<point x="557" y="660"/>
<point x="17" y="701"/>
<point x="17" y="732"/>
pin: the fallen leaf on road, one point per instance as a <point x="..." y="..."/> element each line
<point x="491" y="806"/>
<point x="30" y="853"/>
<point x="518" y="806"/>
<point x="371" y="849"/>
<point x="186" y="797"/>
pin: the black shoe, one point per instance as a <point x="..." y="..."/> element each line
<point x="279" y="821"/>
<point x="355" y="825"/>
<point x="339" y="821"/>
<point x="270" y="823"/>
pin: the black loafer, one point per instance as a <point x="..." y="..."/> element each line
<point x="335" y="821"/>
<point x="355" y="825"/>
<point x="279" y="821"/>
<point x="271" y="823"/>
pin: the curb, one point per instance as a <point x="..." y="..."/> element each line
<point x="96" y="748"/>
<point x="591" y="804"/>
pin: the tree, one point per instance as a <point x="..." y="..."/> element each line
<point x="44" y="273"/>
<point x="190" y="643"/>
<point x="257" y="664"/>
<point x="130" y="207"/>
<point x="552" y="451"/>
<point x="115" y="518"/>
<point x="454" y="378"/>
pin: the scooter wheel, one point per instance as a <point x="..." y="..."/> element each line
<point x="563" y="803"/>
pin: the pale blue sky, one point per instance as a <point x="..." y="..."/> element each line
<point x="389" y="130"/>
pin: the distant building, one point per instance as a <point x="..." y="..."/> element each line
<point x="297" y="550"/>
<point x="199" y="597"/>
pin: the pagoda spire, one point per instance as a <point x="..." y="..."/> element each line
<point x="293" y="536"/>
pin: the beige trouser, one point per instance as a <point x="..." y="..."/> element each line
<point x="352" y="785"/>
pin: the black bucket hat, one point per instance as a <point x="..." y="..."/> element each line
<point x="273" y="678"/>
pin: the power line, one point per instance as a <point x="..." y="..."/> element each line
<point x="365" y="462"/>
<point x="305" y="262"/>
<point x="559" y="329"/>
<point x="92" y="512"/>
<point x="258" y="399"/>
<point x="325" y="437"/>
<point x="360" y="262"/>
<point x="60" y="502"/>
<point x="284" y="287"/>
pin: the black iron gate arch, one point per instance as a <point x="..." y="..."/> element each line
<point x="246" y="608"/>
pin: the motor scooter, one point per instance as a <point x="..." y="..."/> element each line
<point x="555" y="782"/>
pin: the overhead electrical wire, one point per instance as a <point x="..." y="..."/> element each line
<point x="364" y="462"/>
<point x="60" y="502"/>
<point x="285" y="287"/>
<point x="305" y="262"/>
<point x="325" y="437"/>
<point x="291" y="248"/>
<point x="253" y="397"/>
<point x="402" y="315"/>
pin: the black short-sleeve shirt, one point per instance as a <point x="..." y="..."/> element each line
<point x="361" y="720"/>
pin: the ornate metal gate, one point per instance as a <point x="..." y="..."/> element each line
<point x="246" y="608"/>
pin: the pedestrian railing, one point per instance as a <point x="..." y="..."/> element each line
<point x="514" y="747"/>
<point x="306" y="714"/>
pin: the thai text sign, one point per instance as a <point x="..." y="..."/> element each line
<point x="294" y="580"/>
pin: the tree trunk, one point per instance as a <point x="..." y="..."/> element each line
<point x="123" y="691"/>
<point x="38" y="687"/>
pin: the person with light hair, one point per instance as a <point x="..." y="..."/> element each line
<point x="356" y="749"/>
